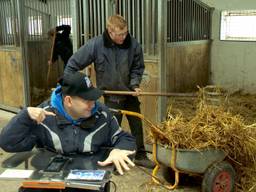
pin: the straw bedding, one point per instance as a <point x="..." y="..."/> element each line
<point x="216" y="126"/>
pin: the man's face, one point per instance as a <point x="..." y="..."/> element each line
<point x="117" y="35"/>
<point x="80" y="108"/>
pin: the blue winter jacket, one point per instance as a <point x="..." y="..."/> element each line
<point x="61" y="134"/>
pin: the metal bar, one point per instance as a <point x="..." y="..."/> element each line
<point x="138" y="21"/>
<point x="94" y="17"/>
<point x="200" y="21"/>
<point x="98" y="16"/>
<point x="203" y="23"/>
<point x="91" y="18"/>
<point x="5" y="20"/>
<point x="120" y="7"/>
<point x="82" y="22"/>
<point x="147" y="33"/>
<point x="63" y="12"/>
<point x="1" y="29"/>
<point x="133" y="18"/>
<point x="162" y="14"/>
<point x="176" y="20"/>
<point x="6" y="24"/>
<point x="182" y="20"/>
<point x="124" y="8"/>
<point x="59" y="13"/>
<point x="11" y="22"/>
<point x="143" y="23"/>
<point x="129" y="20"/>
<point x="168" y="21"/>
<point x="85" y="21"/>
<point x="193" y="21"/>
<point x="107" y="8"/>
<point x="153" y="27"/>
<point x="68" y="11"/>
<point x="26" y="87"/>
<point x="103" y="16"/>
<point x="13" y="26"/>
<point x="185" y="20"/>
<point x="54" y="14"/>
<point x="38" y="15"/>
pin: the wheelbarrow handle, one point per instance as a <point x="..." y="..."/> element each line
<point x="154" y="128"/>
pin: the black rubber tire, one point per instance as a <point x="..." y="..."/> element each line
<point x="220" y="177"/>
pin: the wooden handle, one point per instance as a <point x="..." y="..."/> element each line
<point x="106" y="92"/>
<point x="49" y="65"/>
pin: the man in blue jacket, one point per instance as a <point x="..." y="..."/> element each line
<point x="71" y="122"/>
<point x="119" y="65"/>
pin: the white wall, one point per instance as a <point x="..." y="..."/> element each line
<point x="233" y="64"/>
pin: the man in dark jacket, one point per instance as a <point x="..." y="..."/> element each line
<point x="62" y="45"/>
<point x="72" y="122"/>
<point x="119" y="65"/>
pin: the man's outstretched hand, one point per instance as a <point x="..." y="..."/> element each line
<point x="120" y="159"/>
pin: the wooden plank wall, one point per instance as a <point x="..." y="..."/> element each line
<point x="188" y="66"/>
<point x="150" y="83"/>
<point x="38" y="55"/>
<point x="11" y="78"/>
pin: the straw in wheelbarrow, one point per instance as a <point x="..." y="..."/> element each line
<point x="213" y="126"/>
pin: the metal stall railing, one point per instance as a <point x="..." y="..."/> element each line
<point x="38" y="18"/>
<point x="92" y="17"/>
<point x="9" y="23"/>
<point x="188" y="20"/>
<point x="142" y="18"/>
<point x="42" y="15"/>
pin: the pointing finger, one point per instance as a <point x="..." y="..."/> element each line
<point x="49" y="113"/>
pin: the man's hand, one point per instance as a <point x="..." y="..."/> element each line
<point x="38" y="114"/>
<point x="137" y="91"/>
<point x="120" y="159"/>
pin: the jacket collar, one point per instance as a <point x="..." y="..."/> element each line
<point x="109" y="43"/>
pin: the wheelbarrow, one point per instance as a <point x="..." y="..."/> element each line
<point x="218" y="174"/>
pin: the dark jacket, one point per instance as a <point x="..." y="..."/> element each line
<point x="59" y="134"/>
<point x="63" y="46"/>
<point x="118" y="67"/>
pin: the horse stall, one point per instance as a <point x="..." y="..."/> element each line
<point x="26" y="77"/>
<point x="176" y="40"/>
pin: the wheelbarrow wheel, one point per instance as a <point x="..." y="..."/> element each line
<point x="220" y="177"/>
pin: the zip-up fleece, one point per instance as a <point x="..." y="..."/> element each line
<point x="58" y="134"/>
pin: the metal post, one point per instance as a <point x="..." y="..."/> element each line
<point x="23" y="46"/>
<point x="86" y="20"/>
<point x="75" y="28"/>
<point x="162" y="41"/>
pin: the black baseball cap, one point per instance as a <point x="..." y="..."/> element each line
<point x="78" y="84"/>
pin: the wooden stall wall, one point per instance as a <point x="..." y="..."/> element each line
<point x="150" y="83"/>
<point x="11" y="78"/>
<point x="188" y="65"/>
<point x="38" y="55"/>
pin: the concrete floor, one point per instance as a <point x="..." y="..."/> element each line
<point x="133" y="181"/>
